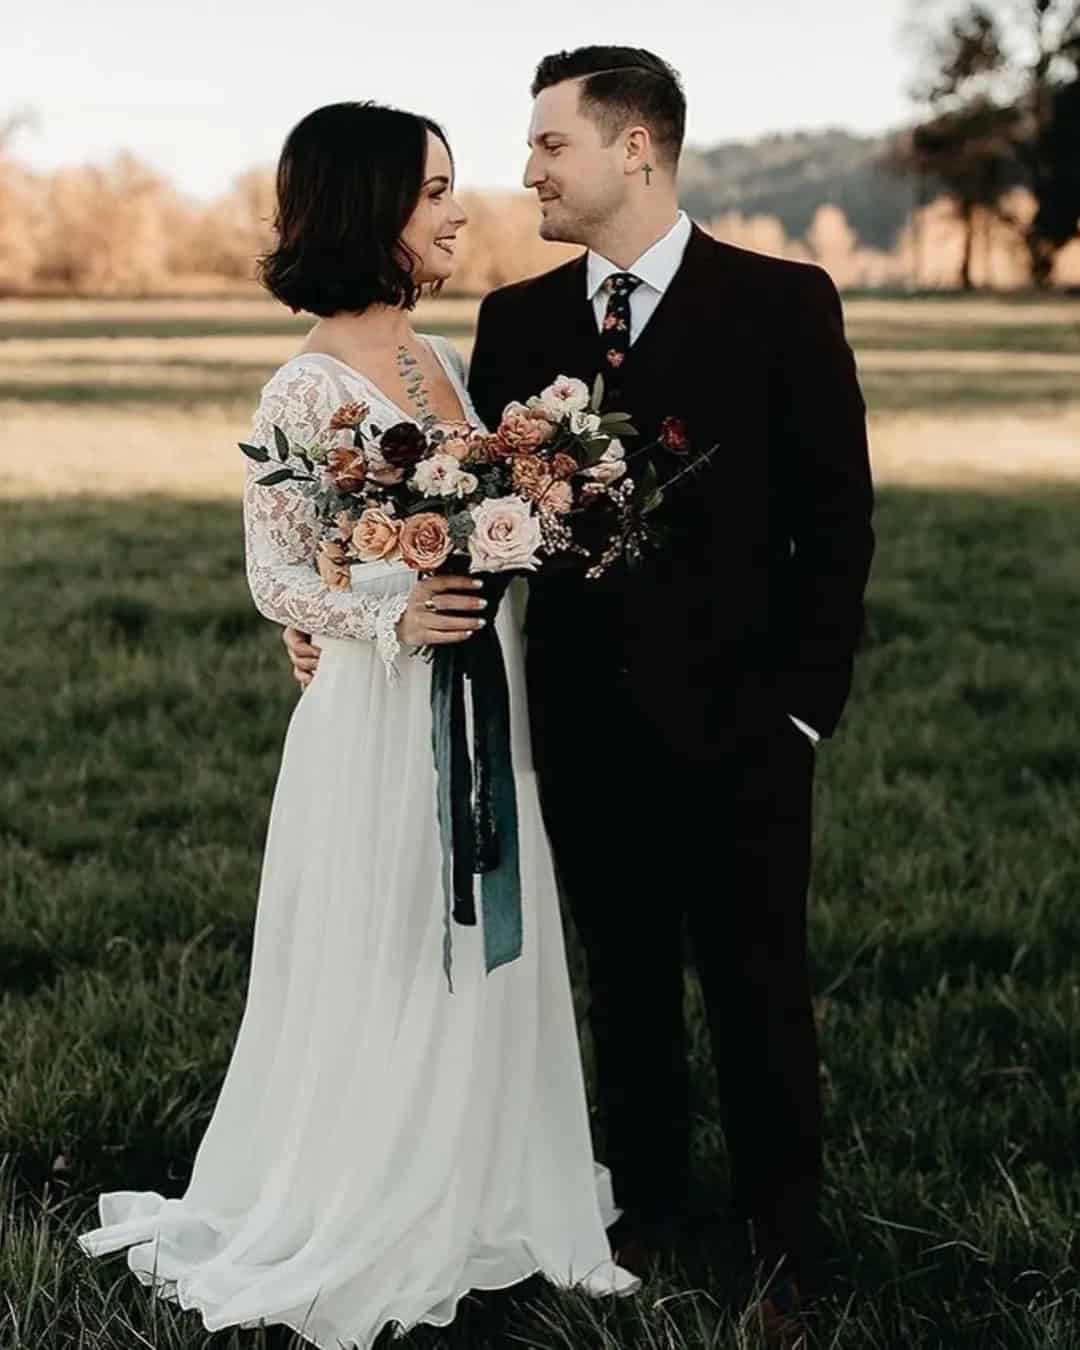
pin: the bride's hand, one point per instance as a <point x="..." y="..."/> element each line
<point x="436" y="604"/>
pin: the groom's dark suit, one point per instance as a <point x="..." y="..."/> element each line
<point x="675" y="786"/>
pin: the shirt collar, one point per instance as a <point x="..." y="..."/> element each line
<point x="656" y="267"/>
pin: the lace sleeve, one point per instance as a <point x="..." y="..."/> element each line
<point x="281" y="531"/>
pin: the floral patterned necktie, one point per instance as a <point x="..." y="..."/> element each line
<point x="616" y="328"/>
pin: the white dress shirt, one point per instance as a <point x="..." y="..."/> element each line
<point x="656" y="269"/>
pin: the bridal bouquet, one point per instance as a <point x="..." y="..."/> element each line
<point x="444" y="497"/>
<point x="549" y="487"/>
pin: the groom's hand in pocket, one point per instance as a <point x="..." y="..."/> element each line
<point x="304" y="656"/>
<point x="442" y="609"/>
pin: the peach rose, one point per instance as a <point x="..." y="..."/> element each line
<point x="530" y="475"/>
<point x="521" y="431"/>
<point x="506" y="536"/>
<point x="376" y="536"/>
<point x="329" y="560"/>
<point x="425" y="541"/>
<point x="564" y="466"/>
<point x="347" y="469"/>
<point x="457" y="446"/>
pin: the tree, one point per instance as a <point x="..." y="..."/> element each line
<point x="969" y="153"/>
<point x="1050" y="147"/>
<point x="967" y="145"/>
<point x="1003" y="102"/>
<point x="18" y="208"/>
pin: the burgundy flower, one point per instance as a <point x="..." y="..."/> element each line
<point x="403" y="446"/>
<point x="673" y="435"/>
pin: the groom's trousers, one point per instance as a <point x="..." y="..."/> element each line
<point x="651" y="843"/>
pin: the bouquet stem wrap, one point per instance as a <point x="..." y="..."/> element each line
<point x="476" y="799"/>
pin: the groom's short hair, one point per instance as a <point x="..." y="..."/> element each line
<point x="621" y="86"/>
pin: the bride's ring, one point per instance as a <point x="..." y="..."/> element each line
<point x="431" y="605"/>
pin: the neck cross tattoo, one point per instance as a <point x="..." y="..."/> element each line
<point x="411" y="374"/>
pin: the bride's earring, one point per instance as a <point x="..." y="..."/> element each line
<point x="649" y="171"/>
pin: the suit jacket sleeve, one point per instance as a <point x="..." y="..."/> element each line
<point x="829" y="498"/>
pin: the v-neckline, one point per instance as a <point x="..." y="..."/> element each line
<point x="464" y="403"/>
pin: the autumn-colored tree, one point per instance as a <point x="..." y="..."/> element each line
<point x="19" y="209"/>
<point x="106" y="229"/>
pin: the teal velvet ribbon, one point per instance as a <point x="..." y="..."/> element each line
<point x="476" y="800"/>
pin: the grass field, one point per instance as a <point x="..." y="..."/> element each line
<point x="145" y="706"/>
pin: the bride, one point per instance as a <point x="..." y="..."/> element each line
<point x="380" y="1145"/>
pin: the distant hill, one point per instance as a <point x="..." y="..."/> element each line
<point x="790" y="176"/>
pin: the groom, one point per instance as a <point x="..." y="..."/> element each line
<point x="675" y="710"/>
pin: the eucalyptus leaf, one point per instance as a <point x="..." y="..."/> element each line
<point x="255" y="452"/>
<point x="278" y="476"/>
<point x="282" y="443"/>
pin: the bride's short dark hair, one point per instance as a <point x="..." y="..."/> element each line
<point x="348" y="180"/>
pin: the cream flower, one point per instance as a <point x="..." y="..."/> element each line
<point x="611" y="465"/>
<point x="564" y="397"/>
<point x="442" y="476"/>
<point x="506" y="536"/>
<point x="584" y="423"/>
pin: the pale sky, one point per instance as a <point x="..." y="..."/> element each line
<point x="204" y="90"/>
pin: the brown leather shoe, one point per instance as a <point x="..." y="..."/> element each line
<point x="779" y="1316"/>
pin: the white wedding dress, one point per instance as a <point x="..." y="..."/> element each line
<point x="380" y="1145"/>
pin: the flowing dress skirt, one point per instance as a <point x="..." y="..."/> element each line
<point x="380" y="1146"/>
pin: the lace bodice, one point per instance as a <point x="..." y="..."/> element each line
<point x="281" y="529"/>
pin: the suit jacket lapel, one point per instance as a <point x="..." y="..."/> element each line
<point x="579" y="338"/>
<point x="675" y="319"/>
